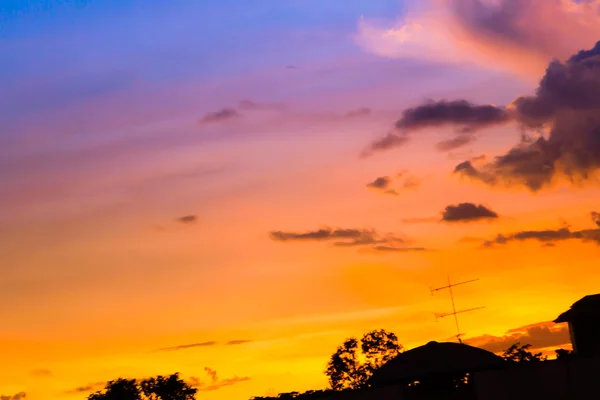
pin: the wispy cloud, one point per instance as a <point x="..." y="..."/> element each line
<point x="188" y="346"/>
<point x="496" y="35"/>
<point x="213" y="382"/>
<point x="221" y="115"/>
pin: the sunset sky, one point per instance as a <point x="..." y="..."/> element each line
<point x="229" y="188"/>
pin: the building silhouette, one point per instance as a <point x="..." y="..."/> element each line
<point x="584" y="325"/>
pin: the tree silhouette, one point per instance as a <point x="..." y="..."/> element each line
<point x="158" y="388"/>
<point x="119" y="389"/>
<point x="167" y="388"/>
<point x="350" y="369"/>
<point x="519" y="354"/>
<point x="562" y="354"/>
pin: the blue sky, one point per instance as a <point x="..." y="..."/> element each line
<point x="168" y="39"/>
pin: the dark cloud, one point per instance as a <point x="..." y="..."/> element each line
<point x="567" y="105"/>
<point x="346" y="238"/>
<point x="188" y="346"/>
<point x="455" y="142"/>
<point x="389" y="141"/>
<point x="188" y="219"/>
<point x="548" y="237"/>
<point x="221" y="115"/>
<point x="236" y="342"/>
<point x="466" y="212"/>
<point x="383" y="182"/>
<point x="213" y="381"/>
<point x="90" y="387"/>
<point x="467" y="117"/>
<point x="596" y="218"/>
<point x="18" y="396"/>
<point x="540" y="335"/>
<point x="41" y="373"/>
<point x="360" y="112"/>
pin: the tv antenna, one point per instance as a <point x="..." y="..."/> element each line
<point x="454" y="312"/>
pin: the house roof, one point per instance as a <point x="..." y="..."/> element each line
<point x="586" y="307"/>
<point x="436" y="358"/>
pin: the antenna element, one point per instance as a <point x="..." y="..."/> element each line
<point x="454" y="312"/>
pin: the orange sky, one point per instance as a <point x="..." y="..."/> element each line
<point x="101" y="280"/>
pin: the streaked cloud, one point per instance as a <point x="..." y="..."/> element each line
<point x="237" y="342"/>
<point x="90" y="387"/>
<point x="548" y="237"/>
<point x="17" y="396"/>
<point x="359" y="112"/>
<point x="456" y="142"/>
<point x="341" y="237"/>
<point x="188" y="346"/>
<point x="461" y="114"/>
<point x="375" y="241"/>
<point x="41" y="373"/>
<point x="188" y="219"/>
<point x="539" y="336"/>
<point x="389" y="141"/>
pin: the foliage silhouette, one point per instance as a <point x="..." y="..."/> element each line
<point x="119" y="389"/>
<point x="562" y="354"/>
<point x="519" y="354"/>
<point x="350" y="369"/>
<point x="170" y="387"/>
<point x="167" y="388"/>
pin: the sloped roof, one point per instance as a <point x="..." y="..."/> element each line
<point x="436" y="358"/>
<point x="586" y="307"/>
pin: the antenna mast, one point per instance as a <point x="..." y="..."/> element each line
<point x="454" y="312"/>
